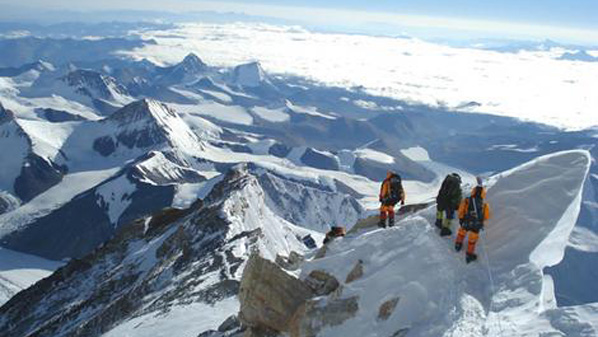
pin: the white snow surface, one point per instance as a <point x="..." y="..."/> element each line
<point x="115" y="197"/>
<point x="375" y="156"/>
<point x="531" y="85"/>
<point x="226" y="113"/>
<point x="58" y="195"/>
<point x="504" y="293"/>
<point x="183" y="320"/>
<point x="18" y="271"/>
<point x="416" y="153"/>
<point x="187" y="194"/>
<point x="249" y="75"/>
<point x="271" y="115"/>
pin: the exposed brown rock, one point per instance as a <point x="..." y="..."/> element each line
<point x="321" y="282"/>
<point x="355" y="273"/>
<point x="321" y="253"/>
<point x="259" y="332"/>
<point x="269" y="296"/>
<point x="292" y="262"/>
<point x="387" y="308"/>
<point x="319" y="313"/>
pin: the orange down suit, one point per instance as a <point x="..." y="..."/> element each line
<point x="388" y="209"/>
<point x="468" y="228"/>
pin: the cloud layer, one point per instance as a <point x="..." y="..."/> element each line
<point x="533" y="86"/>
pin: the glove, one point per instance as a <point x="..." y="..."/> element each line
<point x="380" y="199"/>
<point x="402" y="202"/>
<point x="461" y="222"/>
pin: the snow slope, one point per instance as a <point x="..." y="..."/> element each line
<point x="503" y="294"/>
<point x="18" y="271"/>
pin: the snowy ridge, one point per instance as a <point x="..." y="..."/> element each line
<point x="175" y="264"/>
<point x="441" y="295"/>
<point x="19" y="271"/>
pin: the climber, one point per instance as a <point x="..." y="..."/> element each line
<point x="447" y="202"/>
<point x="473" y="212"/>
<point x="391" y="192"/>
<point x="334" y="232"/>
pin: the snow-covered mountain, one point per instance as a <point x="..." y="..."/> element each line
<point x="85" y="86"/>
<point x="175" y="263"/>
<point x="408" y="281"/>
<point x="178" y="264"/>
<point x="249" y="75"/>
<point x="189" y="70"/>
<point x="159" y="193"/>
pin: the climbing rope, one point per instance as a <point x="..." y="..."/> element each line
<point x="492" y="287"/>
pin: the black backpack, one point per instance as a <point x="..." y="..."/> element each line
<point x="475" y="211"/>
<point x="450" y="184"/>
<point x="396" y="188"/>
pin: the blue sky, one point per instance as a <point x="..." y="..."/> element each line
<point x="562" y="20"/>
<point x="573" y="13"/>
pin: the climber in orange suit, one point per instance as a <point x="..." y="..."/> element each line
<point x="473" y="212"/>
<point x="391" y="192"/>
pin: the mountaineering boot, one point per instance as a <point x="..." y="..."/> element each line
<point x="382" y="223"/>
<point x="445" y="231"/>
<point x="458" y="246"/>
<point x="470" y="257"/>
<point x="391" y="222"/>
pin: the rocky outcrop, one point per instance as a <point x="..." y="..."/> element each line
<point x="316" y="314"/>
<point x="269" y="296"/>
<point x="231" y="327"/>
<point x="273" y="301"/>
<point x="292" y="262"/>
<point x="387" y="308"/>
<point x="355" y="273"/>
<point x="321" y="282"/>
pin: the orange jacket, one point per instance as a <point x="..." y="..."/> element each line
<point x="465" y="206"/>
<point x="385" y="189"/>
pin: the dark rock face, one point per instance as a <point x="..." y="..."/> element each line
<point x="319" y="160"/>
<point x="279" y="150"/>
<point x="5" y="115"/>
<point x="66" y="233"/>
<point x="7" y="202"/>
<point x="104" y="146"/>
<point x="58" y="116"/>
<point x="37" y="176"/>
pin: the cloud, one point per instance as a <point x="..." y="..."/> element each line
<point x="533" y="86"/>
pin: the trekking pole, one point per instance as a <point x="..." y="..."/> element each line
<point x="492" y="287"/>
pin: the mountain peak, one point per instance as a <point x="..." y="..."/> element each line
<point x="94" y="84"/>
<point x="192" y="58"/>
<point x="192" y="64"/>
<point x="142" y="109"/>
<point x="42" y="65"/>
<point x="249" y="74"/>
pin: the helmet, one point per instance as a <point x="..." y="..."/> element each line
<point x="479" y="180"/>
